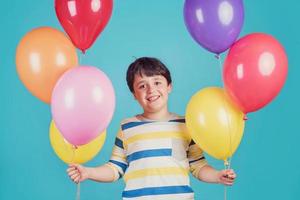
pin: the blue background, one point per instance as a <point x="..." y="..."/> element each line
<point x="267" y="162"/>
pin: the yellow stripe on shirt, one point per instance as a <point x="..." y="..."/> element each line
<point x="156" y="172"/>
<point x="121" y="156"/>
<point x="158" y="135"/>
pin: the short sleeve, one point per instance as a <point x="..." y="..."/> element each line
<point x="118" y="161"/>
<point x="196" y="158"/>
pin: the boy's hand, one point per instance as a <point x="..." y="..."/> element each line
<point x="226" y="177"/>
<point x="77" y="173"/>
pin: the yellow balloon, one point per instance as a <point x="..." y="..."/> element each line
<point x="68" y="153"/>
<point x="215" y="124"/>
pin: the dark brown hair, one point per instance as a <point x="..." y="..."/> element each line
<point x="146" y="66"/>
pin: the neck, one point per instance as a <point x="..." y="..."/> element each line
<point x="163" y="114"/>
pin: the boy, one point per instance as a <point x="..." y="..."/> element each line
<point x="153" y="152"/>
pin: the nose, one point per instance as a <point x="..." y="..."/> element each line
<point x="150" y="89"/>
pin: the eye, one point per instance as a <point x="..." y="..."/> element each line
<point x="142" y="86"/>
<point x="157" y="83"/>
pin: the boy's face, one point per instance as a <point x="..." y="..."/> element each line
<point x="151" y="92"/>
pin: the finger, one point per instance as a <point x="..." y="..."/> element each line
<point x="73" y="165"/>
<point x="73" y="172"/>
<point x="227" y="179"/>
<point x="227" y="172"/>
<point x="71" y="168"/>
<point x="228" y="184"/>
<point x="230" y="173"/>
<point x="77" y="179"/>
<point x="224" y="176"/>
<point x="74" y="176"/>
<point x="223" y="179"/>
<point x="230" y="181"/>
<point x="232" y="176"/>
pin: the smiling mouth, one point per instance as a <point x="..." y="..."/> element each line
<point x="153" y="98"/>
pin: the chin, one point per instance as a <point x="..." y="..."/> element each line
<point x="155" y="109"/>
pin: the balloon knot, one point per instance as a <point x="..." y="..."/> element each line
<point x="217" y="56"/>
<point x="226" y="163"/>
<point x="245" y="117"/>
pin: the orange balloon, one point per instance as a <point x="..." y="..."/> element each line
<point x="42" y="56"/>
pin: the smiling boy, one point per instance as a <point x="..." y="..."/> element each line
<point x="153" y="151"/>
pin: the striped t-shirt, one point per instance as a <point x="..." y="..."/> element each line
<point x="154" y="158"/>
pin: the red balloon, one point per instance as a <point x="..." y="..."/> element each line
<point x="254" y="71"/>
<point x="83" y="20"/>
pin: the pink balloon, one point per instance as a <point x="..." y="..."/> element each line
<point x="254" y="71"/>
<point x="82" y="104"/>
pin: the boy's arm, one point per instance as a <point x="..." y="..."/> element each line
<point x="111" y="171"/>
<point x="115" y="167"/>
<point x="102" y="173"/>
<point x="204" y="172"/>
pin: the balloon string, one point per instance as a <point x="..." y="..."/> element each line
<point x="229" y="129"/>
<point x="78" y="184"/>
<point x="227" y="162"/>
<point x="226" y="166"/>
<point x="218" y="57"/>
<point x="78" y="191"/>
<point x="80" y="57"/>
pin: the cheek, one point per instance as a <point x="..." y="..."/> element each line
<point x="165" y="90"/>
<point x="140" y="96"/>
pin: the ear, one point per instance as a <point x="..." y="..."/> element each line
<point x="133" y="93"/>
<point x="170" y="87"/>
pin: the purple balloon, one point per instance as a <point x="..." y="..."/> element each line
<point x="82" y="104"/>
<point x="214" y="24"/>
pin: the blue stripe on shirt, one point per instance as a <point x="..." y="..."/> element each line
<point x="119" y="143"/>
<point x="149" y="153"/>
<point x="192" y="143"/>
<point x="157" y="191"/>
<point x="178" y="120"/>
<point x="122" y="165"/>
<point x="132" y="124"/>
<point x="192" y="161"/>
